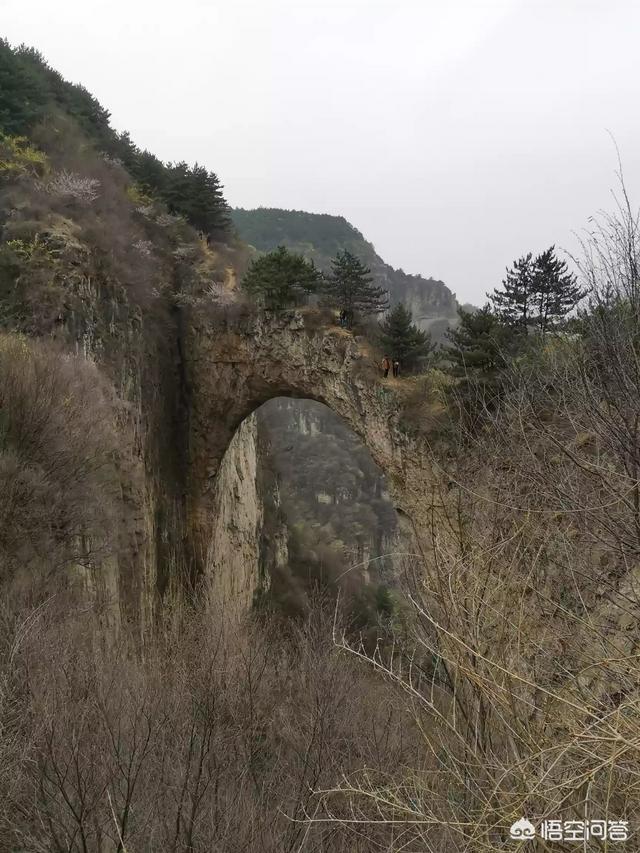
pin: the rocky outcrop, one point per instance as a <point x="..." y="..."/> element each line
<point x="234" y="368"/>
<point x="233" y="563"/>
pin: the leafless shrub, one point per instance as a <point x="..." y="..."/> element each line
<point x="318" y="317"/>
<point x="186" y="252"/>
<point x="214" y="742"/>
<point x="233" y="315"/>
<point x="522" y="669"/>
<point x="56" y="449"/>
<point x="148" y="211"/>
<point x="610" y="258"/>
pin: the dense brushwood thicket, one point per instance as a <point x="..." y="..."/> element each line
<point x="57" y="463"/>
<point x="217" y="740"/>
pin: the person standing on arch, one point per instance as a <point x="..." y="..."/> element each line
<point x="386" y="364"/>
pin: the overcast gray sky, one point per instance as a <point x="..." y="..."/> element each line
<point x="456" y="135"/>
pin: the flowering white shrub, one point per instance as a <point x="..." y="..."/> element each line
<point x="166" y="219"/>
<point x="112" y="161"/>
<point x="144" y="247"/>
<point x="73" y="185"/>
<point x="185" y="251"/>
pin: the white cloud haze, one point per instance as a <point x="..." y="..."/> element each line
<point x="455" y="135"/>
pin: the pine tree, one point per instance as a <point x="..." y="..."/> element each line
<point x="175" y="193"/>
<point x="515" y="302"/>
<point x="279" y="278"/>
<point x="537" y="292"/>
<point x="350" y="288"/>
<point x="149" y="172"/>
<point x="197" y="195"/>
<point x="556" y="290"/>
<point x="479" y="345"/>
<point x="403" y="340"/>
<point x="208" y="210"/>
<point x="23" y="93"/>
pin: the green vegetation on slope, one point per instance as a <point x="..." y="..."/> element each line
<point x="320" y="237"/>
<point x="32" y="93"/>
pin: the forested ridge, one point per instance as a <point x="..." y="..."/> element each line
<point x="319" y="237"/>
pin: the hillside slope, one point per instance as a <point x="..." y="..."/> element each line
<point x="111" y="254"/>
<point x="319" y="236"/>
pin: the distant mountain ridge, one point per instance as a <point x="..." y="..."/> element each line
<point x="319" y="236"/>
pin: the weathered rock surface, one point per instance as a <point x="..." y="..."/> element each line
<point x="234" y="369"/>
<point x="233" y="561"/>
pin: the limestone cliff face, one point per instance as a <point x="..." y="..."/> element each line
<point x="190" y="503"/>
<point x="186" y="383"/>
<point x="233" y="564"/>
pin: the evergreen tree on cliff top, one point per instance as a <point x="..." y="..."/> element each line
<point x="537" y="293"/>
<point x="515" y="301"/>
<point x="196" y="193"/>
<point x="278" y="279"/>
<point x="350" y="288"/>
<point x="402" y="339"/>
<point x="479" y="345"/>
<point x="556" y="290"/>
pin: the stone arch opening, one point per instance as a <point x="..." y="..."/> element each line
<point x="300" y="504"/>
<point x="234" y="370"/>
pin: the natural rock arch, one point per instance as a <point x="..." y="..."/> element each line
<point x="233" y="368"/>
